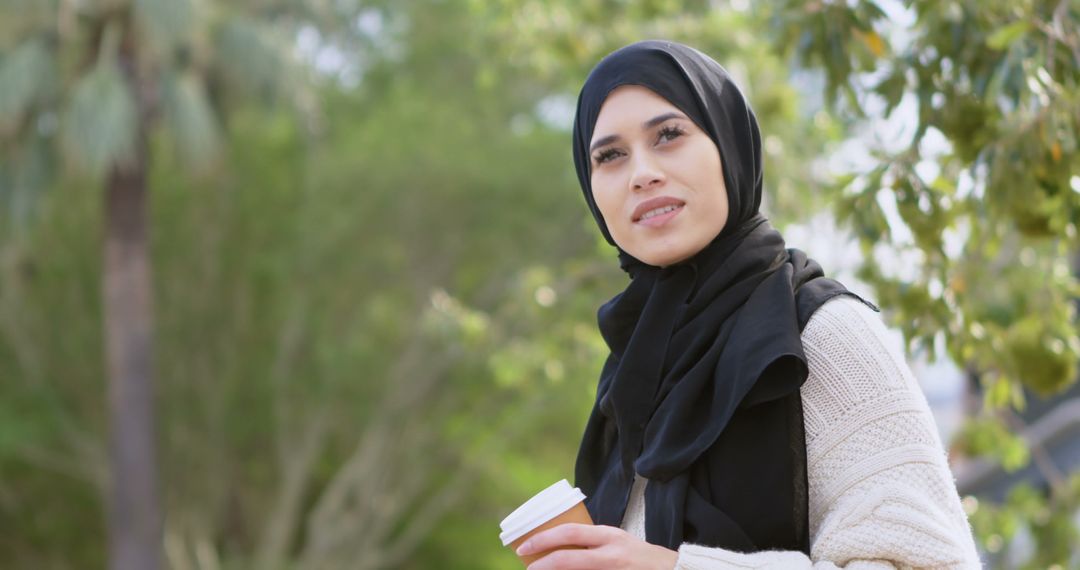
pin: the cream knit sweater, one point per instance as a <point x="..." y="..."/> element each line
<point x="880" y="490"/>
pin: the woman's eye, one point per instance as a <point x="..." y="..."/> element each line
<point x="669" y="133"/>
<point x="606" y="155"/>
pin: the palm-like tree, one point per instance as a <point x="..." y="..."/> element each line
<point x="87" y="86"/>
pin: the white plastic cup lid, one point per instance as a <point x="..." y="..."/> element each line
<point x="544" y="506"/>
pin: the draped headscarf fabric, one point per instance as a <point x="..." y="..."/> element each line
<point x="700" y="393"/>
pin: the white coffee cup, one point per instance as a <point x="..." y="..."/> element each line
<point x="556" y="505"/>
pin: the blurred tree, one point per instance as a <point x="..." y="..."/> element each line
<point x="94" y="80"/>
<point x="984" y="184"/>
<point x="982" y="192"/>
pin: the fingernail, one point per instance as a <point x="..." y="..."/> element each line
<point x="523" y="549"/>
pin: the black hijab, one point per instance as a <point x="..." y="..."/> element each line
<point x="700" y="393"/>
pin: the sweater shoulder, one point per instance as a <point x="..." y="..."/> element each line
<point x="855" y="366"/>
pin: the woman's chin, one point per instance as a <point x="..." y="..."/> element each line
<point x="665" y="257"/>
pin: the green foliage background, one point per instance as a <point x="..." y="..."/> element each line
<point x="376" y="282"/>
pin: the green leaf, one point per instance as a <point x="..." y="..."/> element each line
<point x="998" y="394"/>
<point x="166" y="23"/>
<point x="990" y="437"/>
<point x="249" y="57"/>
<point x="101" y="122"/>
<point x="25" y="75"/>
<point x="25" y="177"/>
<point x="892" y="89"/>
<point x="1039" y="356"/>
<point x="191" y="120"/>
<point x="1004" y="36"/>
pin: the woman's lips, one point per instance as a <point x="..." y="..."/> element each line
<point x="657" y="211"/>
<point x="660" y="216"/>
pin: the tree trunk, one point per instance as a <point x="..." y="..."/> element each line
<point x="134" y="515"/>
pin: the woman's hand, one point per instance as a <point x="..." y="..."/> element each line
<point x="607" y="548"/>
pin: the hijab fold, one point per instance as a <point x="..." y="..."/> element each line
<point x="700" y="393"/>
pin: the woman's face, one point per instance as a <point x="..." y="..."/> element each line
<point x="656" y="177"/>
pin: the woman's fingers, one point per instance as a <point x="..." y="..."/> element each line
<point x="573" y="560"/>
<point x="570" y="534"/>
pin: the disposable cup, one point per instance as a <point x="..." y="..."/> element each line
<point x="556" y="505"/>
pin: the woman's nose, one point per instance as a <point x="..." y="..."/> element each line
<point x="646" y="173"/>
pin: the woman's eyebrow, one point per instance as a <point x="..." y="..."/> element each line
<point x="602" y="141"/>
<point x="660" y="119"/>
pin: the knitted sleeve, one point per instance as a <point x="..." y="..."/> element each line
<point x="880" y="490"/>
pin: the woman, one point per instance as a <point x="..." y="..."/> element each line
<point x="750" y="414"/>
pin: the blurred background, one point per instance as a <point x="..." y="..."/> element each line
<point x="311" y="284"/>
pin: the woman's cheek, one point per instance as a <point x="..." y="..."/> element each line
<point x="609" y="204"/>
